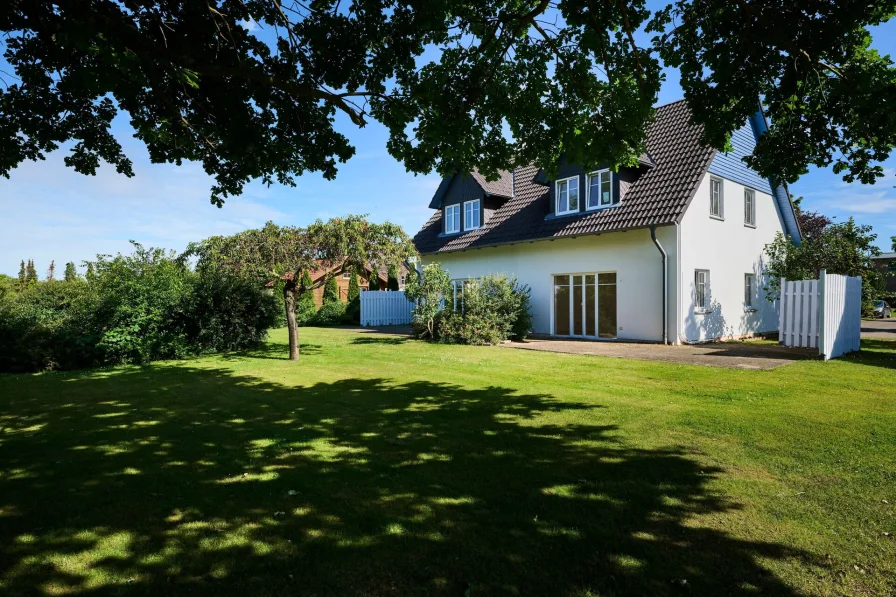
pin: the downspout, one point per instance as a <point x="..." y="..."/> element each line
<point x="665" y="283"/>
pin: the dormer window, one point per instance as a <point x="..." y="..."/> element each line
<point x="452" y="219"/>
<point x="472" y="214"/>
<point x="600" y="190"/>
<point x="567" y="193"/>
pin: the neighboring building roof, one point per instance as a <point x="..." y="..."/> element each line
<point x="659" y="197"/>
<point x="883" y="256"/>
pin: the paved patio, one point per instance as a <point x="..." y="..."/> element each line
<point x="879" y="329"/>
<point x="734" y="355"/>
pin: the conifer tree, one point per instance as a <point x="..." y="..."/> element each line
<point x="305" y="307"/>
<point x="71" y="274"/>
<point x="353" y="311"/>
<point x="22" y="276"/>
<point x="51" y="271"/>
<point x="331" y="291"/>
<point x="392" y="284"/>
<point x="30" y="273"/>
<point x="90" y="274"/>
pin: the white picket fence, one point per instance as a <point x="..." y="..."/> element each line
<point x="385" y="307"/>
<point x="825" y="314"/>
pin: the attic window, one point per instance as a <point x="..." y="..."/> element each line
<point x="452" y="219"/>
<point x="567" y="193"/>
<point x="600" y="190"/>
<point x="472" y="214"/>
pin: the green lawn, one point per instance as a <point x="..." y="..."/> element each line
<point x="380" y="466"/>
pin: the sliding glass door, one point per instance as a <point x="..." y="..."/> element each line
<point x="585" y="305"/>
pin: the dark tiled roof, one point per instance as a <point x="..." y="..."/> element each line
<point x="658" y="197"/>
<point x="503" y="187"/>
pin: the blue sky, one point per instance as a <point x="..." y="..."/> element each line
<point x="51" y="212"/>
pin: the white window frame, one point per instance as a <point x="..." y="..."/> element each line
<point x="713" y="180"/>
<point x="557" y="196"/>
<point x="750" y="208"/>
<point x="749" y="291"/>
<point x="599" y="174"/>
<point x="346" y="275"/>
<point x="476" y="210"/>
<point x="697" y="282"/>
<point x="450" y="218"/>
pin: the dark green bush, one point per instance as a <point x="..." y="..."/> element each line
<point x="329" y="314"/>
<point x="331" y="291"/>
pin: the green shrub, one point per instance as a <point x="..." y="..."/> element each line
<point x="329" y="314"/>
<point x="502" y="301"/>
<point x="392" y="278"/>
<point x="470" y="329"/>
<point x="135" y="308"/>
<point x="427" y="291"/>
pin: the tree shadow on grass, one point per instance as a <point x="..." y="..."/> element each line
<point x="276" y="351"/>
<point x="391" y="340"/>
<point x="172" y="480"/>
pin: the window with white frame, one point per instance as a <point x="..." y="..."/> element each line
<point x="701" y="289"/>
<point x="457" y="294"/>
<point x="600" y="190"/>
<point x="749" y="207"/>
<point x="567" y="192"/>
<point x="716" y="199"/>
<point x="452" y="219"/>
<point x="749" y="290"/>
<point x="472" y="214"/>
<point x="346" y="275"/>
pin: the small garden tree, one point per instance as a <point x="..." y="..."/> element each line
<point x="428" y="290"/>
<point x="272" y="251"/>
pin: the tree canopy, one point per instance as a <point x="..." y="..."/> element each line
<point x="458" y="84"/>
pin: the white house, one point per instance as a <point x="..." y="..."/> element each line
<point x="670" y="250"/>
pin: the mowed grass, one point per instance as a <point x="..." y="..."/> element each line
<point x="384" y="466"/>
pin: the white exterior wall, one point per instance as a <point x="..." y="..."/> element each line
<point x="632" y="255"/>
<point x="729" y="250"/>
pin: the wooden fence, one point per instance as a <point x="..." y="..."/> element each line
<point x="824" y="314"/>
<point x="385" y="307"/>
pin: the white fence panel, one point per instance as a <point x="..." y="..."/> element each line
<point x="823" y="314"/>
<point x="799" y="313"/>
<point x="387" y="307"/>
<point x="841" y="315"/>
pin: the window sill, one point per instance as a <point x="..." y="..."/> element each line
<point x="472" y="229"/>
<point x="702" y="311"/>
<point x="568" y="214"/>
<point x="719" y="218"/>
<point x="443" y="234"/>
<point x="753" y="226"/>
<point x="600" y="207"/>
<point x="750" y="309"/>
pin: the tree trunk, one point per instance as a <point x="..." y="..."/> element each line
<point x="289" y="300"/>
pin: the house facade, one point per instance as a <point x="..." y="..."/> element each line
<point x="670" y="249"/>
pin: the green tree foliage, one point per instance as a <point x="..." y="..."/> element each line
<point x="90" y="273"/>
<point x="845" y="248"/>
<point x="331" y="291"/>
<point x="8" y="286"/>
<point x="71" y="273"/>
<point x="563" y="77"/>
<point x="427" y="291"/>
<point x="392" y="278"/>
<point x="140" y="307"/>
<point x="22" y="276"/>
<point x="270" y="252"/>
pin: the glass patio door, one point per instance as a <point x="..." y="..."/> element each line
<point x="585" y="305"/>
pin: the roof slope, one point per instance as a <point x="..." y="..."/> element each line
<point x="658" y="197"/>
<point x="503" y="187"/>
